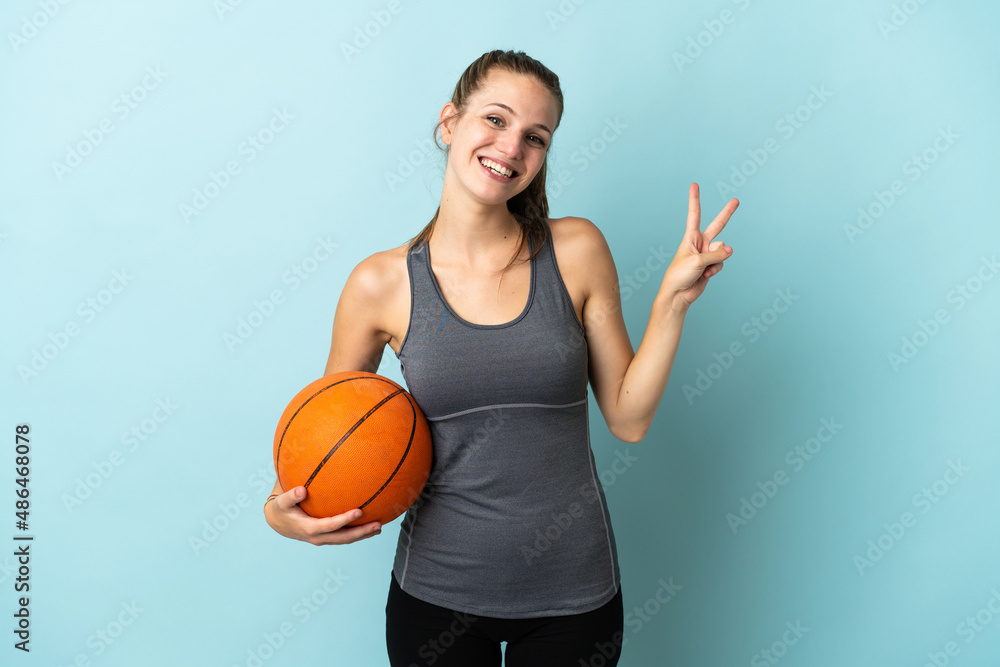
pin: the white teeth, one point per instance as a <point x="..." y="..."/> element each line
<point x="496" y="168"/>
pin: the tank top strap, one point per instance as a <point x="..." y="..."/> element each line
<point x="421" y="280"/>
<point x="551" y="293"/>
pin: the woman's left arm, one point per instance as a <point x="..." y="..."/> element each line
<point x="628" y="386"/>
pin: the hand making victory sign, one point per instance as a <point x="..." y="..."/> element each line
<point x="698" y="258"/>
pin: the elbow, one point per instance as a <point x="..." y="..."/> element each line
<point x="632" y="434"/>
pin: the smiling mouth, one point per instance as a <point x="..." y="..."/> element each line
<point x="497" y="169"/>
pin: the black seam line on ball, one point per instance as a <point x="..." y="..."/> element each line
<point x="348" y="434"/>
<point x="305" y="403"/>
<point x="413" y="430"/>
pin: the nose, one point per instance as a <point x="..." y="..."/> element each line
<point x="509" y="143"/>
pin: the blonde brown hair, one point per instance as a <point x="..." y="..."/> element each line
<point x="530" y="206"/>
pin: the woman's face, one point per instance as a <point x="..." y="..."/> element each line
<point x="509" y="121"/>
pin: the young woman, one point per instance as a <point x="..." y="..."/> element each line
<point x="500" y="316"/>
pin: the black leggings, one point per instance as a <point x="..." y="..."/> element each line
<point x="419" y="633"/>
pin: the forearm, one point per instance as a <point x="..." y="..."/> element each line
<point x="646" y="377"/>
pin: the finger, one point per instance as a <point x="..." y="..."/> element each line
<point x="329" y="524"/>
<point x="707" y="259"/>
<point x="712" y="270"/>
<point x="694" y="209"/>
<point x="348" y="535"/>
<point x="720" y="221"/>
<point x="342" y="535"/>
<point x="289" y="501"/>
<point x="291" y="498"/>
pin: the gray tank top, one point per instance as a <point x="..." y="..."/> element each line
<point x="513" y="522"/>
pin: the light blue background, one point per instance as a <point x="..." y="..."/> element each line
<point x="324" y="176"/>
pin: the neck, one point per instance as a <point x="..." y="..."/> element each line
<point x="473" y="233"/>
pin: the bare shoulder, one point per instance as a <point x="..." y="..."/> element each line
<point x="377" y="291"/>
<point x="380" y="273"/>
<point x="363" y="321"/>
<point x="581" y="250"/>
<point x="578" y="235"/>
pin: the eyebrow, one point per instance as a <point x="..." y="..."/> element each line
<point x="504" y="106"/>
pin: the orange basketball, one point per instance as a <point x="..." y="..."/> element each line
<point x="354" y="439"/>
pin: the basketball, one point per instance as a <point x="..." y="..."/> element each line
<point x="354" y="440"/>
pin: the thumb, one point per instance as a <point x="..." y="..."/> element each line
<point x="719" y="254"/>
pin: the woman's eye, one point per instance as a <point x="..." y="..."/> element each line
<point x="538" y="140"/>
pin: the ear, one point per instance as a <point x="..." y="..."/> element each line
<point x="448" y="126"/>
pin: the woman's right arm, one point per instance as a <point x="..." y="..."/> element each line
<point x="359" y="338"/>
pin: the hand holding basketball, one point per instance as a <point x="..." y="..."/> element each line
<point x="285" y="516"/>
<point x="354" y="452"/>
